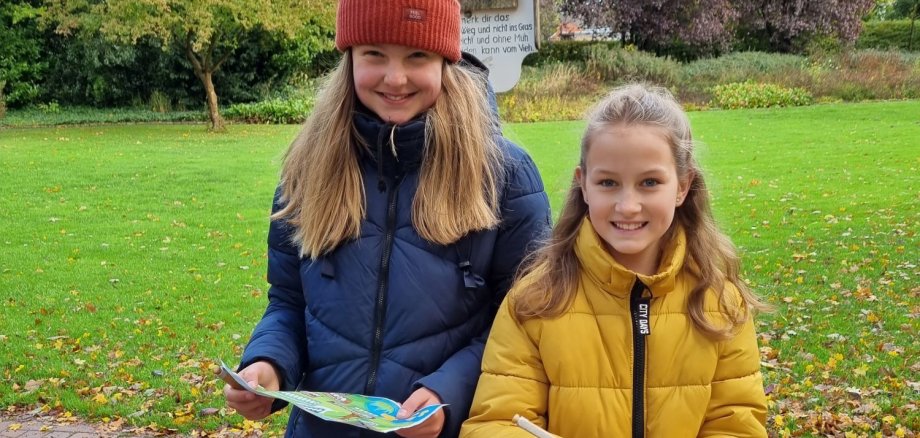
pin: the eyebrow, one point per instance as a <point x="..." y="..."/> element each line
<point x="652" y="171"/>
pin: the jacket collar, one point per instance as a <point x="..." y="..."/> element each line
<point x="382" y="139"/>
<point x="614" y="278"/>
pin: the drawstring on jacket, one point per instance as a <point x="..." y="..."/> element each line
<point x="381" y="183"/>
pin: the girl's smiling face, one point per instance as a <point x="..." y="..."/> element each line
<point x="396" y="82"/>
<point x="632" y="189"/>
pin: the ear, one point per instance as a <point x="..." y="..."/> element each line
<point x="683" y="188"/>
<point x="580" y="180"/>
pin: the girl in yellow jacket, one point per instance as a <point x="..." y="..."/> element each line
<point x="632" y="320"/>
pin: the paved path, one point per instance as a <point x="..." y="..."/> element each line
<point x="20" y="424"/>
<point x="24" y="425"/>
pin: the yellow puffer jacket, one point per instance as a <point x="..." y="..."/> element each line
<point x="573" y="375"/>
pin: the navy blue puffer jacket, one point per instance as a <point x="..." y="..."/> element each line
<point x="389" y="312"/>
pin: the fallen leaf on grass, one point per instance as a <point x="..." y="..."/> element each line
<point x="32" y="385"/>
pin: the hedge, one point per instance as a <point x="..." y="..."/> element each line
<point x="891" y="34"/>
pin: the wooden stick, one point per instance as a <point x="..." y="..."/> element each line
<point x="226" y="377"/>
<point x="534" y="430"/>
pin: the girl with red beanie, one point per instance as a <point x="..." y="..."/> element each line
<point x="400" y="219"/>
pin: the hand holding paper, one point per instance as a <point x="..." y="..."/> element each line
<point x="374" y="413"/>
<point x="246" y="402"/>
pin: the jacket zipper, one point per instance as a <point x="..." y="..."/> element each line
<point x="380" y="308"/>
<point x="639" y="309"/>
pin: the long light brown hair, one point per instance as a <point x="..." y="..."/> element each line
<point x="549" y="277"/>
<point x="461" y="172"/>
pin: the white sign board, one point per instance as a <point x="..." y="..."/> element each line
<point x="501" y="38"/>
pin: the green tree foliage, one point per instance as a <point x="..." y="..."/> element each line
<point x="880" y="10"/>
<point x="897" y="9"/>
<point x="21" y="65"/>
<point x="909" y="9"/>
<point x="208" y="33"/>
<point x="94" y="71"/>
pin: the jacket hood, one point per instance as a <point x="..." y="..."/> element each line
<point x="473" y="63"/>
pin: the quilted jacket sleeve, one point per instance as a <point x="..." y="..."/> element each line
<point x="513" y="382"/>
<point x="525" y="219"/>
<point x="280" y="337"/>
<point x="737" y="406"/>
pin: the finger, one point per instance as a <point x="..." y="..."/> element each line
<point x="254" y="414"/>
<point x="430" y="428"/>
<point x="236" y="395"/>
<point x="412" y="404"/>
<point x="252" y="375"/>
<point x="247" y="409"/>
<point x="253" y="410"/>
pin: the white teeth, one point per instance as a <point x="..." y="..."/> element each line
<point x="629" y="227"/>
<point x="395" y="97"/>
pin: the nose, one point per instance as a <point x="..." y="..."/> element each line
<point x="628" y="203"/>
<point x="395" y="75"/>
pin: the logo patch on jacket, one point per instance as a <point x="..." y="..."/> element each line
<point x="414" y="14"/>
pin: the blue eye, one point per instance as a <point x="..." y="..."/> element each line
<point x="650" y="183"/>
<point x="607" y="183"/>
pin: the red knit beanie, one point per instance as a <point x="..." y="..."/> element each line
<point x="432" y="25"/>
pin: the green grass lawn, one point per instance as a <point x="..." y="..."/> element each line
<point x="132" y="257"/>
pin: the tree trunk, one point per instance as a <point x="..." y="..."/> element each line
<point x="217" y="122"/>
<point x="204" y="69"/>
<point x="910" y="40"/>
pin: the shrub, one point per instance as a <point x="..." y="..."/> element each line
<point x="626" y="65"/>
<point x="699" y="77"/>
<point x="565" y="52"/>
<point x="551" y="92"/>
<point x="159" y="102"/>
<point x="867" y="74"/>
<point x="740" y="67"/>
<point x="758" y="95"/>
<point x="68" y="115"/>
<point x="515" y="108"/>
<point x="889" y="34"/>
<point x="2" y="100"/>
<point x="271" y="111"/>
<point x="52" y="107"/>
<point x="553" y="80"/>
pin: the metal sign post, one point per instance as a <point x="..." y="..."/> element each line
<point x="500" y="33"/>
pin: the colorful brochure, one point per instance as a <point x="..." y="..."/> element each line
<point x="374" y="413"/>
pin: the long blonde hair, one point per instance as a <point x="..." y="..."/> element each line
<point x="321" y="181"/>
<point x="550" y="275"/>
